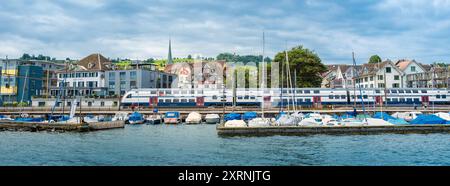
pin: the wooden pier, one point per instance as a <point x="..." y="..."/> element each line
<point x="36" y="127"/>
<point x="330" y="130"/>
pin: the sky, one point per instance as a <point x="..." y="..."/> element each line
<point x="140" y="29"/>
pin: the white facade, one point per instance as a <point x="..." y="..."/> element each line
<point x="386" y="76"/>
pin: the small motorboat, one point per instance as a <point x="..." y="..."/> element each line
<point x="120" y="116"/>
<point x="353" y="122"/>
<point x="287" y="120"/>
<point x="172" y="118"/>
<point x="312" y="121"/>
<point x="377" y="122"/>
<point x="5" y="118"/>
<point x="212" y="119"/>
<point x="194" y="118"/>
<point x="232" y="116"/>
<point x="154" y="119"/>
<point x="136" y="118"/>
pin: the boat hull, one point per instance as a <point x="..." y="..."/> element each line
<point x="171" y="120"/>
<point x="212" y="120"/>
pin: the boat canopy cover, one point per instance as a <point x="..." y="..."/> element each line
<point x="250" y="115"/>
<point x="135" y="116"/>
<point x="29" y="119"/>
<point x="398" y="121"/>
<point x="429" y="119"/>
<point x="232" y="116"/>
<point x="383" y="115"/>
<point x="172" y="115"/>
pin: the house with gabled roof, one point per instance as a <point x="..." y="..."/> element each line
<point x="380" y="75"/>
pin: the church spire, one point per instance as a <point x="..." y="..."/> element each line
<point x="169" y="58"/>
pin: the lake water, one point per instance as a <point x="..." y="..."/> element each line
<point x="200" y="145"/>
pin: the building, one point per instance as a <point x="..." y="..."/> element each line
<point x="380" y="75"/>
<point x="50" y="69"/>
<point x="95" y="75"/>
<point x="19" y="81"/>
<point x="409" y="67"/>
<point x="433" y="76"/>
<point x="120" y="81"/>
<point x="199" y="74"/>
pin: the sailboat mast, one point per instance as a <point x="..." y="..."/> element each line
<point x="263" y="71"/>
<point x="360" y="91"/>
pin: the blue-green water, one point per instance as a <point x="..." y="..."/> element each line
<point x="200" y="145"/>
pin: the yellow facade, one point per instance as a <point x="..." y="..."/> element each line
<point x="12" y="88"/>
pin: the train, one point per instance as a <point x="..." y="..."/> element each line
<point x="276" y="97"/>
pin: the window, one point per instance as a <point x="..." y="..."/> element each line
<point x="317" y="92"/>
<point x="438" y="96"/>
<point x="393" y="91"/>
<point x="424" y="91"/>
<point x="396" y="85"/>
<point x="183" y="100"/>
<point x="402" y="99"/>
<point x="122" y="75"/>
<point x="366" y="79"/>
<point x="102" y="103"/>
<point x="371" y="78"/>
<point x="133" y="75"/>
<point x="380" y="77"/>
<point x="307" y="92"/>
<point x="133" y="84"/>
<point x="336" y="97"/>
<point x="343" y="96"/>
<point x="409" y="100"/>
<point x="112" y="85"/>
<point x="377" y="91"/>
<point x="396" y="77"/>
<point x="388" y="69"/>
<point x="330" y="97"/>
<point x="214" y="97"/>
<point x="408" y="91"/>
<point x="415" y="91"/>
<point x="41" y="104"/>
<point x="299" y="100"/>
<point x="416" y="100"/>
<point x="401" y="91"/>
<point x="413" y="68"/>
<point x="444" y="96"/>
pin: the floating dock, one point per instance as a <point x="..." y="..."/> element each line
<point x="35" y="127"/>
<point x="331" y="130"/>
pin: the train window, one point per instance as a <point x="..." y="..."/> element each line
<point x="152" y="92"/>
<point x="306" y="92"/>
<point x="192" y="100"/>
<point x="176" y="92"/>
<point x="246" y="97"/>
<point x="285" y="100"/>
<point x="168" y="92"/>
<point x="401" y="91"/>
<point x="408" y="91"/>
<point x="192" y="91"/>
<point x="285" y="91"/>
<point x="300" y="92"/>
<point x="330" y="97"/>
<point x="129" y="96"/>
<point x="377" y="91"/>
<point x="168" y="101"/>
<point x="183" y="92"/>
<point x="252" y="97"/>
<point x="415" y="91"/>
<point x="402" y="99"/>
<point x="161" y="101"/>
<point x="424" y="91"/>
<point x="299" y="100"/>
<point x="438" y="96"/>
<point x="353" y="96"/>
<point x="343" y="96"/>
<point x="444" y="96"/>
<point x="359" y="96"/>
<point x="393" y="91"/>
<point x="388" y="99"/>
<point x="200" y="92"/>
<point x="239" y="97"/>
<point x="176" y="100"/>
<point x="394" y="99"/>
<point x="316" y="91"/>
<point x="336" y="97"/>
<point x="214" y="97"/>
<point x="183" y="100"/>
<point x="365" y="96"/>
<point x="409" y="100"/>
<point x="307" y="100"/>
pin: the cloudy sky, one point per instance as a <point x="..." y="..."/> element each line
<point x="139" y="29"/>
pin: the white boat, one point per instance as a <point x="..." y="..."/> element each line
<point x="212" y="118"/>
<point x="120" y="116"/>
<point x="311" y="121"/>
<point x="331" y="122"/>
<point x="377" y="122"/>
<point x="287" y="120"/>
<point x="443" y="115"/>
<point x="235" y="123"/>
<point x="154" y="119"/>
<point x="260" y="122"/>
<point x="407" y="116"/>
<point x="194" y="118"/>
<point x="353" y="122"/>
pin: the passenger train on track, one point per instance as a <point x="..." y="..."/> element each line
<point x="276" y="97"/>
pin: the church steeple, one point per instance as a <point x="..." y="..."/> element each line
<point x="169" y="58"/>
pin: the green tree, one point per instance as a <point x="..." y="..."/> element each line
<point x="306" y="63"/>
<point x="374" y="59"/>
